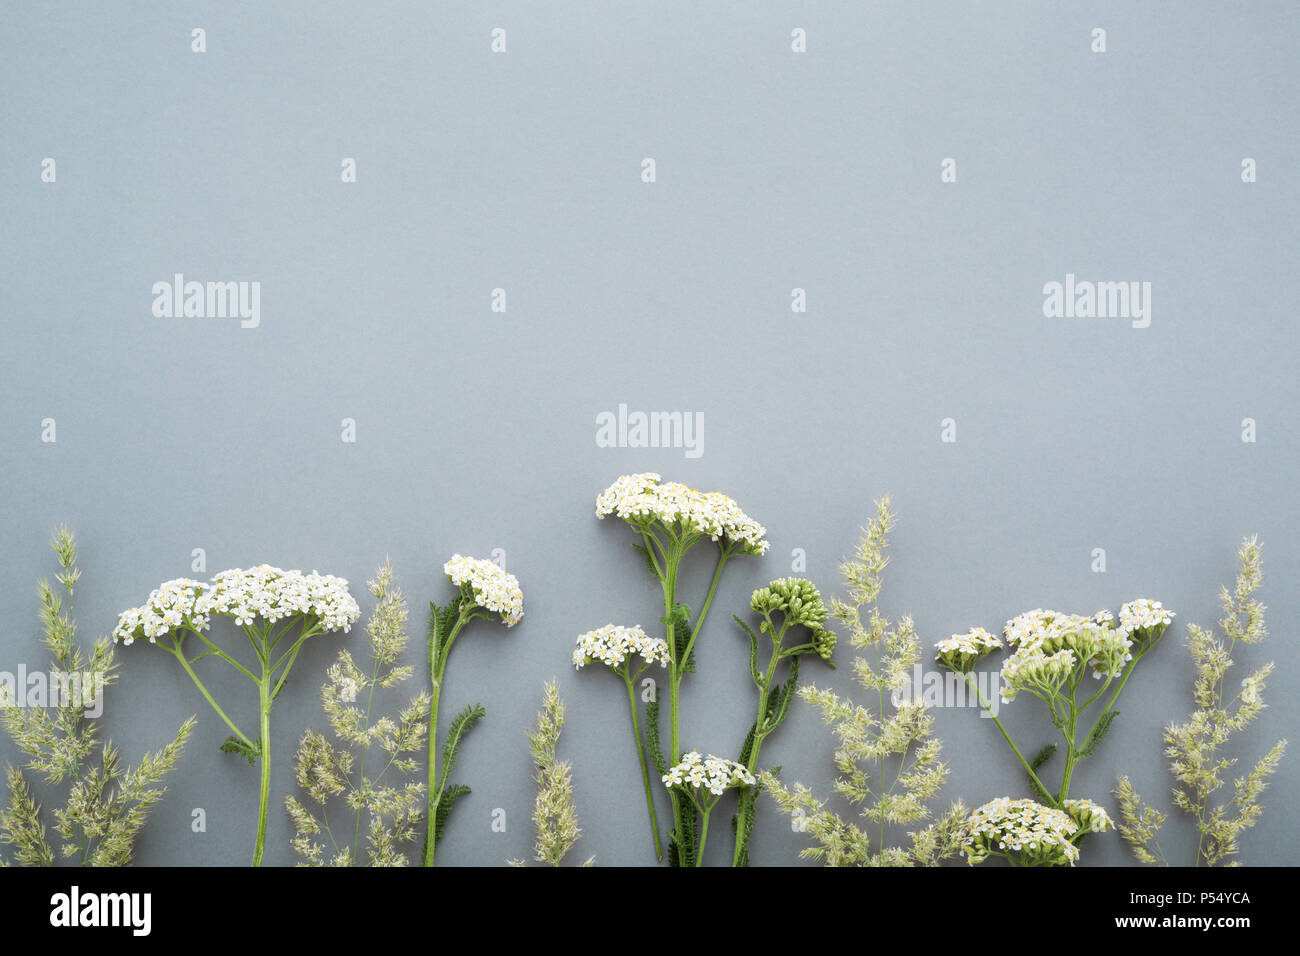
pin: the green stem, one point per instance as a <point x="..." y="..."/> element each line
<point x="265" y="707"/>
<point x="640" y="759"/>
<point x="1071" y="752"/>
<point x="176" y="652"/>
<point x="748" y="799"/>
<point x="669" y="582"/>
<point x="224" y="656"/>
<point x="437" y="670"/>
<point x="723" y="555"/>
<point x="1115" y="696"/>
<point x="704" y="836"/>
<point x="974" y="685"/>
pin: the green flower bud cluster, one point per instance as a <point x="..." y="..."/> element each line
<point x="800" y="603"/>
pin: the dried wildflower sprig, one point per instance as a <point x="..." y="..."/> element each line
<point x="671" y="519"/>
<point x="702" y="781"/>
<point x="326" y="771"/>
<point x="273" y="608"/>
<point x="616" y="646"/>
<point x="798" y="604"/>
<point x="1053" y="656"/>
<point x="888" y="762"/>
<point x="107" y="803"/>
<point x="1027" y="833"/>
<point x="485" y="589"/>
<point x="555" y="818"/>
<point x="1197" y="748"/>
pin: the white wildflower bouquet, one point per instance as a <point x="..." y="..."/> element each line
<point x="1070" y="662"/>
<point x="670" y="519"/>
<point x="483" y="590"/>
<point x="700" y="781"/>
<point x="618" y="648"/>
<point x="278" y="611"/>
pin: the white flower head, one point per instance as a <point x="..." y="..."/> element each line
<point x="1144" y="619"/>
<point x="491" y="587"/>
<point x="962" y="651"/>
<point x="714" y="774"/>
<point x="613" y="644"/>
<point x="263" y="591"/>
<point x="1091" y="817"/>
<point x="642" y="500"/>
<point x="1037" y="834"/>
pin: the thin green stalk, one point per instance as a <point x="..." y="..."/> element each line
<point x="669" y="583"/>
<point x="645" y="775"/>
<point x="176" y="652"/>
<point x="435" y="790"/>
<point x="265" y="706"/>
<point x="1007" y="737"/>
<point x="704" y="836"/>
<point x="747" y="797"/>
<point x="723" y="555"/>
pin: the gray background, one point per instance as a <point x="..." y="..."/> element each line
<point x="475" y="430"/>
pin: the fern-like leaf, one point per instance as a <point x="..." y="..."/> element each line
<point x="234" y="745"/>
<point x="652" y="736"/>
<point x="459" y="727"/>
<point x="1100" y="731"/>
<point x="449" y="797"/>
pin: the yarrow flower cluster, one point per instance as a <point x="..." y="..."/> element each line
<point x="613" y="644"/>
<point x="962" y="651"/>
<point x="168" y="606"/>
<point x="492" y="587"/>
<point x="1036" y="834"/>
<point x="320" y="603"/>
<point x="715" y="774"/>
<point x="1091" y="817"/>
<point x="1050" y="644"/>
<point x="242" y="595"/>
<point x="641" y="499"/>
<point x="1144" y="619"/>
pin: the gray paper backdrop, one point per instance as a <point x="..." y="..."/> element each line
<point x="775" y="170"/>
